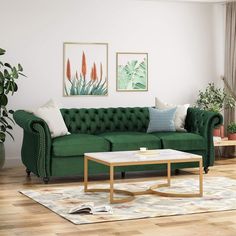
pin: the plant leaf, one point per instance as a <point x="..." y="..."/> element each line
<point x="20" y="68"/>
<point x="2" y="51"/>
<point x="3" y="120"/>
<point x="2" y="136"/>
<point x="10" y="134"/>
<point x="1" y="88"/>
<point x="8" y="86"/>
<point x="6" y="74"/>
<point x="13" y="87"/>
<point x="9" y="127"/>
<point x="4" y="113"/>
<point x="3" y="128"/>
<point x="11" y="111"/>
<point x="13" y="122"/>
<point x="1" y="77"/>
<point x="8" y="65"/>
<point x="3" y="100"/>
<point x="15" y="73"/>
<point x="22" y="74"/>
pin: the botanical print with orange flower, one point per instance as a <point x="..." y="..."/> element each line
<point x="84" y="69"/>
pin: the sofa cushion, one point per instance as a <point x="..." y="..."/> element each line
<point x="78" y="144"/>
<point x="180" y="114"/>
<point x="51" y="114"/>
<point x="161" y="120"/>
<point x="131" y="140"/>
<point x="182" y="140"/>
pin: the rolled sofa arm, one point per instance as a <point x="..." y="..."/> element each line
<point x="36" y="146"/>
<point x="203" y="122"/>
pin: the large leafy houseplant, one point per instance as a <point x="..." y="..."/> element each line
<point x="214" y="99"/>
<point x="8" y="86"/>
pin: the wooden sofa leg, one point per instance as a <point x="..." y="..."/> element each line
<point x="28" y="172"/>
<point x="206" y="169"/>
<point x="122" y="174"/>
<point x="45" y="180"/>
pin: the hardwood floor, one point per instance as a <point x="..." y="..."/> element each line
<point x="21" y="216"/>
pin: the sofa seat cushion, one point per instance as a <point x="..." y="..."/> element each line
<point x="78" y="144"/>
<point x="121" y="141"/>
<point x="182" y="141"/>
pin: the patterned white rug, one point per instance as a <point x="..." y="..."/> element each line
<point x="219" y="195"/>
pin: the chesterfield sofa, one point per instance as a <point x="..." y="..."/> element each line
<point x="109" y="129"/>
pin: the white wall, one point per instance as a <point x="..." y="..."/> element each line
<point x="182" y="40"/>
<point x="219" y="17"/>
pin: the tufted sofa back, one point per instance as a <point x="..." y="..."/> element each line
<point x="94" y="121"/>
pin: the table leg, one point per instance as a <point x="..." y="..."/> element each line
<point x="85" y="174"/>
<point x="218" y="152"/>
<point x="111" y="183"/>
<point x="200" y="179"/>
<point x="168" y="172"/>
<point x="169" y="194"/>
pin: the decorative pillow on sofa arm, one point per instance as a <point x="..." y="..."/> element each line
<point x="161" y="120"/>
<point x="180" y="114"/>
<point x="51" y="114"/>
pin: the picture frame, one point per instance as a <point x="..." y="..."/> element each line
<point x="85" y="69"/>
<point x="131" y="71"/>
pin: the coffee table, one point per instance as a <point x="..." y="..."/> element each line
<point x="129" y="158"/>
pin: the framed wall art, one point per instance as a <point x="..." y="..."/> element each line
<point x="85" y="69"/>
<point x="131" y="71"/>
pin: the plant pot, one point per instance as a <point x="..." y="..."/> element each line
<point x="222" y="131"/>
<point x="216" y="132"/>
<point x="219" y="132"/>
<point x="2" y="155"/>
<point x="231" y="136"/>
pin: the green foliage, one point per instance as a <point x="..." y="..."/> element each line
<point x="92" y="87"/>
<point x="132" y="76"/>
<point x="8" y="76"/>
<point x="214" y="99"/>
<point x="232" y="128"/>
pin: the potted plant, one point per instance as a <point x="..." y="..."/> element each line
<point x="231" y="131"/>
<point x="8" y="77"/>
<point x="215" y="99"/>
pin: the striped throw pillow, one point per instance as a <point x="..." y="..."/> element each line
<point x="161" y="120"/>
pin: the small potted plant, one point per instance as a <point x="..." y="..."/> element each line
<point x="215" y="99"/>
<point x="231" y="131"/>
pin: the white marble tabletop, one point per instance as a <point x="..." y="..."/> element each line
<point x="138" y="156"/>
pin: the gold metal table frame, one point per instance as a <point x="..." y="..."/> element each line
<point x="151" y="189"/>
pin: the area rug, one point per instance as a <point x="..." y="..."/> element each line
<point x="219" y="195"/>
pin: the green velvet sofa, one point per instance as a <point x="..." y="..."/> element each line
<point x="109" y="129"/>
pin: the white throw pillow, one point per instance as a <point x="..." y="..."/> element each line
<point x="180" y="114"/>
<point x="51" y="114"/>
